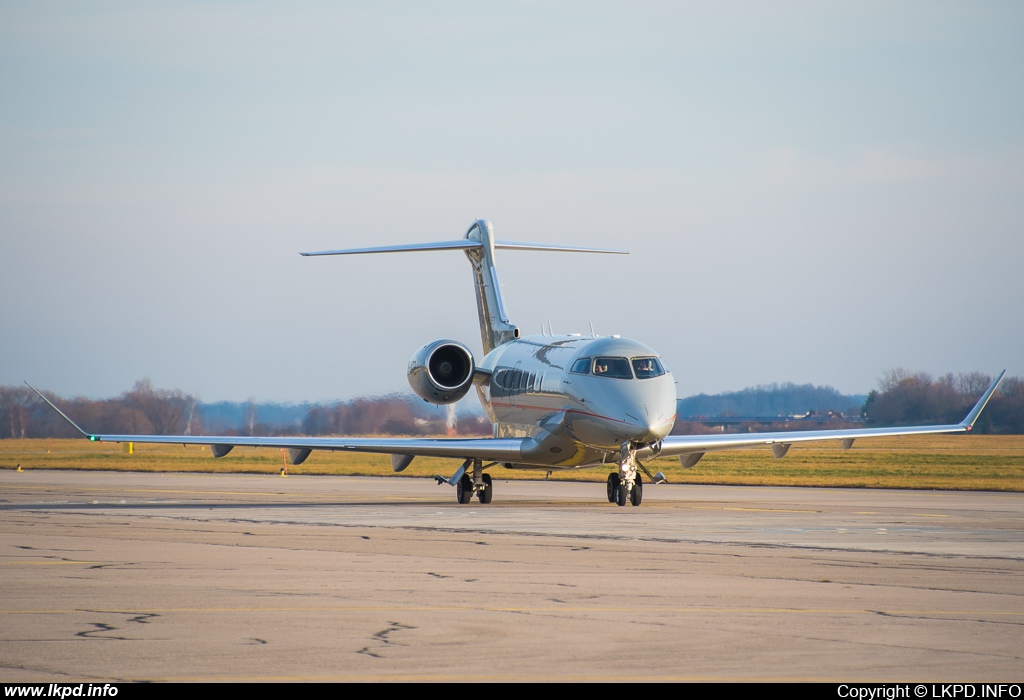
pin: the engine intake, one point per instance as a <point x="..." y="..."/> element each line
<point x="441" y="372"/>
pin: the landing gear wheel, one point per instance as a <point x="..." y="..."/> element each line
<point x="613" y="487"/>
<point x="464" y="490"/>
<point x="484" y="494"/>
<point x="637" y="494"/>
<point x="621" y="495"/>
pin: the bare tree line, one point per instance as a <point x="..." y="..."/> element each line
<point x="907" y="398"/>
<point x="387" y="415"/>
<point x="148" y="410"/>
<point x="142" y="409"/>
<point x="902" y="398"/>
<point x="772" y="400"/>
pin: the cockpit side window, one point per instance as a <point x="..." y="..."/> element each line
<point x="647" y="367"/>
<point x="614" y="367"/>
<point x="581" y="366"/>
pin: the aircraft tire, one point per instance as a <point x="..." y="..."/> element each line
<point x="464" y="490"/>
<point x="484" y="495"/>
<point x="613" y="487"/>
<point x="621" y="495"/>
<point x="637" y="494"/>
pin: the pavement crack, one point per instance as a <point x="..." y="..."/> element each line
<point x="940" y="616"/>
<point x="101" y="627"/>
<point x="383" y="639"/>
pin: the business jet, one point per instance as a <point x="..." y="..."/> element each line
<point x="555" y="401"/>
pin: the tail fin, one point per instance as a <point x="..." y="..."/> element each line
<point x="479" y="245"/>
<point x="495" y="328"/>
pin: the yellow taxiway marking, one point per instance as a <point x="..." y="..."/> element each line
<point x="115" y="489"/>
<point x="200" y="492"/>
<point x="499" y="609"/>
<point x="736" y="508"/>
<point x="763" y="510"/>
<point x="48" y="563"/>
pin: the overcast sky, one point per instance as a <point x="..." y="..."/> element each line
<point x="811" y="192"/>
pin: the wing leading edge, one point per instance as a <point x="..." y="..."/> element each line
<point x="683" y="445"/>
<point x="492" y="449"/>
<point x="688" y="447"/>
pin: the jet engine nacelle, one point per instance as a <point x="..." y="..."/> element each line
<point x="441" y="372"/>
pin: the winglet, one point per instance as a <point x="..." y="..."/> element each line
<point x="62" y="414"/>
<point x="968" y="422"/>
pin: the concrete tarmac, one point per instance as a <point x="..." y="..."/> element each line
<point x="129" y="576"/>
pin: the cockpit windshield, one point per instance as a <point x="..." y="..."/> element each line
<point x="614" y="367"/>
<point x="647" y="367"/>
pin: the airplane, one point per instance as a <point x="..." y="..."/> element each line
<point x="555" y="401"/>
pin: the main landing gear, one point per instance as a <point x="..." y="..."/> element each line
<point x="465" y="486"/>
<point x="464" y="490"/>
<point x="618" y="493"/>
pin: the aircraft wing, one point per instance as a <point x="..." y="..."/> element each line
<point x="490" y="449"/>
<point x="682" y="445"/>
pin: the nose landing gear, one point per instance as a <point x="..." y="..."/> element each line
<point x="636" y="494"/>
<point x="613" y="487"/>
<point x="626" y="484"/>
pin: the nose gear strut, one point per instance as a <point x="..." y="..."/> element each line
<point x="626" y="484"/>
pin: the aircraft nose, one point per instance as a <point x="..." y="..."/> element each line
<point x="651" y="431"/>
<point x="648" y="425"/>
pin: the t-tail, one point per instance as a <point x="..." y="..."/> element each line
<point x="479" y="245"/>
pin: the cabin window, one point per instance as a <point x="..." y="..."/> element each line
<point x="614" y="367"/>
<point x="581" y="366"/>
<point x="647" y="367"/>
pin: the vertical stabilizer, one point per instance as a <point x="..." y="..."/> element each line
<point x="495" y="328"/>
<point x="479" y="245"/>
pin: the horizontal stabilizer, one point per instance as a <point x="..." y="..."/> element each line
<point x="513" y="245"/>
<point x="410" y="247"/>
<point x="464" y="244"/>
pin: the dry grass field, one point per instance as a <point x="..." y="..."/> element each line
<point x="972" y="462"/>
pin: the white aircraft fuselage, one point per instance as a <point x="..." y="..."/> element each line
<point x="533" y="389"/>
